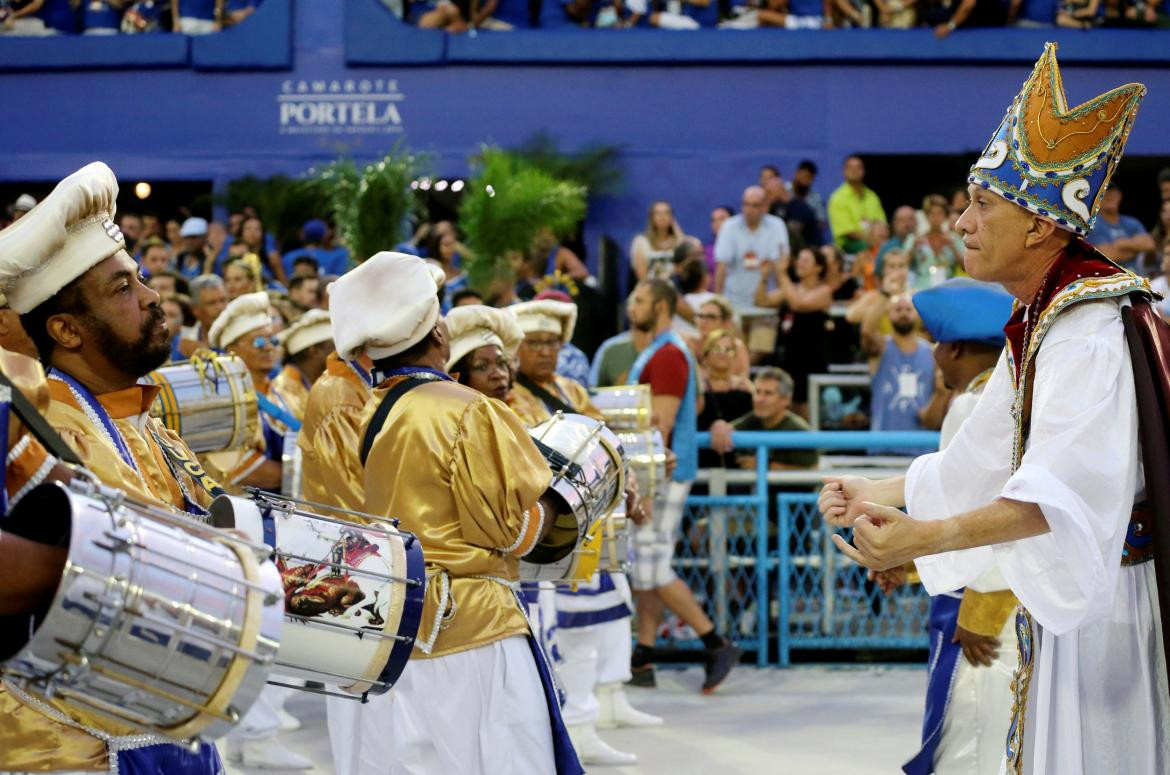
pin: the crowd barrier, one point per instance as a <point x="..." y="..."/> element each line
<point x="763" y="562"/>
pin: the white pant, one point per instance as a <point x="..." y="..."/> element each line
<point x="478" y="711"/>
<point x="594" y="655"/>
<point x="974" y="731"/>
<point x="189" y="25"/>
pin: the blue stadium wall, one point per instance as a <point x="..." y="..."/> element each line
<point x="695" y="113"/>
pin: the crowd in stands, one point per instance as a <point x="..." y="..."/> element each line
<point x="943" y="16"/>
<point x="784" y="286"/>
<point x="126" y="17"/>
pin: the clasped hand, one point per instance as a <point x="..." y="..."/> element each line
<point x="883" y="537"/>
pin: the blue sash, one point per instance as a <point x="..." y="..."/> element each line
<point x="94" y="409"/>
<point x="277" y="412"/>
<point x="357" y="369"/>
<point x="170" y="759"/>
<point x="683" y="437"/>
<point x="378" y="376"/>
<point x="944" y="662"/>
<point x="564" y="754"/>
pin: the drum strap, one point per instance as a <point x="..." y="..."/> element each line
<point x="388" y="402"/>
<point x="551" y="402"/>
<point x="39" y="426"/>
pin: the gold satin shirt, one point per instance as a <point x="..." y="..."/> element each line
<point x="331" y="471"/>
<point x="289" y="385"/>
<point x="459" y="470"/>
<point x="533" y="411"/>
<point x="30" y="740"/>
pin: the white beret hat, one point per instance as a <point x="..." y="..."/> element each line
<point x="61" y="238"/>
<point x="547" y="316"/>
<point x="385" y="305"/>
<point x="473" y="326"/>
<point x="309" y="329"/>
<point x="243" y="314"/>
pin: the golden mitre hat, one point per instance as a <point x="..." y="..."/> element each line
<point x="1054" y="161"/>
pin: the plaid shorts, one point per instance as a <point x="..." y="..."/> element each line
<point x="654" y="542"/>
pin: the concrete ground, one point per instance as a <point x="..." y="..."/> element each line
<point x="814" y="721"/>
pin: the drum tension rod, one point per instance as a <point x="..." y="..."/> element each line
<point x="363" y="699"/>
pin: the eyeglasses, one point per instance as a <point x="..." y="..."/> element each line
<point x="486" y="367"/>
<point x="721" y="350"/>
<point x="261" y="342"/>
<point x="543" y="344"/>
<point x="708" y="316"/>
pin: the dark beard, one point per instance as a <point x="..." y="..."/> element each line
<point x="643" y="325"/>
<point x="139" y="357"/>
<point x="903" y="327"/>
<point x="800" y="190"/>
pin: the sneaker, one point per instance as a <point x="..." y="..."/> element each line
<point x="642" y="677"/>
<point x="266" y="754"/>
<point x="720" y="662"/>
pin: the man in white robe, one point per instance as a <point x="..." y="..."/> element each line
<point x="1043" y="480"/>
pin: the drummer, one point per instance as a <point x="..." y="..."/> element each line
<point x="593" y="620"/>
<point x="307" y="343"/>
<point x="64" y="268"/>
<point x="245" y="329"/>
<point x="461" y="472"/>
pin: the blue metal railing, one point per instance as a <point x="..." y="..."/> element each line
<point x="778" y="578"/>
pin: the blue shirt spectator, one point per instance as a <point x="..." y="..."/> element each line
<point x="1120" y="237"/>
<point x="59" y="15"/>
<point x="573" y="363"/>
<point x="100" y="17"/>
<point x="330" y="261"/>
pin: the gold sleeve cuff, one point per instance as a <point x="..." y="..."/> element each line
<point x="912" y="576"/>
<point x="984" y="613"/>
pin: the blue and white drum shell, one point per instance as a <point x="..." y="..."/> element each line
<point x="159" y="622"/>
<point x="353" y="591"/>
<point x="209" y="400"/>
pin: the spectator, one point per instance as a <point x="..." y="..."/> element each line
<point x="22" y="205"/>
<point x="1120" y="237"/>
<point x="102" y="17"/>
<point x="59" y="16"/>
<point x="770" y="412"/>
<point x="155" y="258"/>
<point x="177" y="308"/>
<point x="847" y="13"/>
<point x="652" y="250"/>
<point x="23" y="19"/>
<point x="252" y="238"/>
<point x="305" y="266"/>
<point x="313" y="235"/>
<point x="167" y="282"/>
<point x="1078" y="14"/>
<point x="692" y="281"/>
<point x="195" y="259"/>
<point x="797" y="216"/>
<point x="718" y="216"/>
<point x="239" y="278"/>
<point x="208" y="298"/>
<point x="615" y="356"/>
<point x="196" y="17"/>
<point x="744" y="241"/>
<point x="1164" y="184"/>
<point x="904" y="379"/>
<point x="1161" y="231"/>
<point x="845" y="287"/>
<point x="717" y="314"/>
<point x="142" y="16"/>
<point x="895" y="280"/>
<point x="802" y="188"/>
<point x="236" y="11"/>
<point x="555" y="257"/>
<point x="896" y="14"/>
<point x="903" y="229"/>
<point x="1161" y="283"/>
<point x="937" y="254"/>
<point x="466" y="296"/>
<point x="853" y="207"/>
<point x="726" y="396"/>
<point x="303" y="292"/>
<point x="1131" y="13"/>
<point x="441" y="248"/>
<point x="174" y="235"/>
<point x="865" y="262"/>
<point x="946" y="17"/>
<point x="151" y="227"/>
<point x="960" y="201"/>
<point x="131" y="226"/>
<point x="804" y="304"/>
<point x="457" y="16"/>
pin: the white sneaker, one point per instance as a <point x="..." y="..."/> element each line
<point x="591" y="749"/>
<point x="615" y="709"/>
<point x="266" y="754"/>
<point x="289" y="722"/>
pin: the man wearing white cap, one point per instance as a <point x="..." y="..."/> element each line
<point x="22" y="205"/>
<point x="194" y="260"/>
<point x="593" y="620"/>
<point x="460" y="471"/>
<point x="99" y="328"/>
<point x="307" y="344"/>
<point x="245" y="329"/>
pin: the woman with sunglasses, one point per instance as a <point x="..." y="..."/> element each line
<point x="716" y="314"/>
<point x="727" y="396"/>
<point x="245" y="329"/>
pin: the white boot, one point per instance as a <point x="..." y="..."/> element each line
<point x="616" y="711"/>
<point x="591" y="749"/>
<point x="288" y="722"/>
<point x="266" y="754"/>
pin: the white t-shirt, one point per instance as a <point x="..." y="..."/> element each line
<point x="1161" y="286"/>
<point x="742" y="250"/>
<point x="658" y="262"/>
